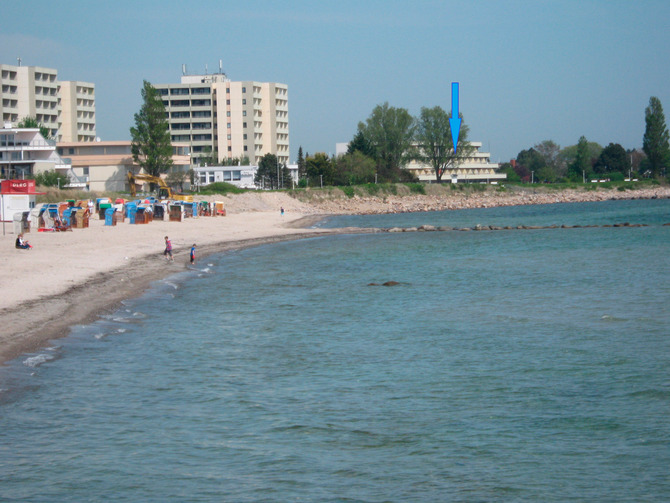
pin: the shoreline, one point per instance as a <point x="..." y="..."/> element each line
<point x="32" y="325"/>
<point x="72" y="278"/>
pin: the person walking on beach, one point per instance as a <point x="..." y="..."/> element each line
<point x="193" y="254"/>
<point x="282" y="211"/>
<point x="168" y="250"/>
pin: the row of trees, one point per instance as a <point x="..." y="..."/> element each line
<point x="548" y="162"/>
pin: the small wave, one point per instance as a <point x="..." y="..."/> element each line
<point x="206" y="269"/>
<point x="607" y="317"/>
<point x="173" y="285"/>
<point x="35" y="361"/>
<point x="121" y="330"/>
<point x="138" y="314"/>
<point x="100" y="335"/>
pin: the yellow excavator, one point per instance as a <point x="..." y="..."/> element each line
<point x="164" y="192"/>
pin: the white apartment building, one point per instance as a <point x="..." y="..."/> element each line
<point x="228" y="120"/>
<point x="77" y="111"/>
<point x="66" y="108"/>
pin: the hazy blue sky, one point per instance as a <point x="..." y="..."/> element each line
<point x="528" y="70"/>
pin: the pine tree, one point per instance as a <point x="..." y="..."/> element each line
<point x="151" y="143"/>
<point x="655" y="141"/>
<point x="301" y="165"/>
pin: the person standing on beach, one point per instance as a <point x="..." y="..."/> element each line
<point x="168" y="250"/>
<point x="193" y="254"/>
<point x="282" y="211"/>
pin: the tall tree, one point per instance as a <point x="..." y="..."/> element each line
<point x="549" y="151"/>
<point x="151" y="145"/>
<point x="529" y="163"/>
<point x="361" y="144"/>
<point x="301" y="164"/>
<point x="613" y="159"/>
<point x="655" y="141"/>
<point x="320" y="169"/>
<point x="32" y="123"/>
<point x="390" y="131"/>
<point x="435" y="145"/>
<point x="582" y="162"/>
<point x="267" y="173"/>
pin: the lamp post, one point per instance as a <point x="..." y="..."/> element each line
<point x="532" y="177"/>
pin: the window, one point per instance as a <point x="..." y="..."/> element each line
<point x="230" y="149"/>
<point x="244" y="113"/>
<point x="229" y="125"/>
<point x="244" y="124"/>
<point x="244" y="136"/>
<point x="245" y="148"/>
<point x="244" y="101"/>
<point x="244" y="89"/>
<point x="179" y="91"/>
<point x="227" y="102"/>
<point x="230" y="137"/>
<point x="237" y="175"/>
<point x="201" y="103"/>
<point x="227" y="114"/>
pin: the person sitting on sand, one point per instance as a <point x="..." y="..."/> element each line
<point x="22" y="244"/>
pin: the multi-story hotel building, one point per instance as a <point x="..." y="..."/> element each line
<point x="228" y="120"/>
<point x="77" y="112"/>
<point x="66" y="108"/>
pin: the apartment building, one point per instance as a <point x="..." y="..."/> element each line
<point x="66" y="108"/>
<point x="226" y="120"/>
<point x="77" y="111"/>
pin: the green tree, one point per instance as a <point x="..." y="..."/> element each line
<point x="613" y="159"/>
<point x="151" y="146"/>
<point x="581" y="165"/>
<point x="51" y="178"/>
<point x="508" y="169"/>
<point x="302" y="173"/>
<point x="567" y="155"/>
<point x="549" y="151"/>
<point x="361" y="144"/>
<point x="390" y="131"/>
<point x="178" y="178"/>
<point x="320" y="169"/>
<point x="655" y="141"/>
<point x="435" y="145"/>
<point x="32" y="123"/>
<point x="267" y="174"/>
<point x="354" y="169"/>
<point x="529" y="163"/>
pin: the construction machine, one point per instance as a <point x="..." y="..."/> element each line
<point x="164" y="192"/>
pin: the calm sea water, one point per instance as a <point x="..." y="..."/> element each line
<point x="528" y="365"/>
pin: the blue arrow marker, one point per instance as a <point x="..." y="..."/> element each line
<point x="455" y="121"/>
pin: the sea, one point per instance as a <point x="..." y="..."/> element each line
<point x="512" y="365"/>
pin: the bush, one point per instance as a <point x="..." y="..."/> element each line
<point x="348" y="191"/>
<point x="416" y="188"/>
<point x="51" y="179"/>
<point x="221" y="188"/>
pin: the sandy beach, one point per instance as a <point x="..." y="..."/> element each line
<point x="70" y="278"/>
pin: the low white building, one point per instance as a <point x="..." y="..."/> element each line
<point x="25" y="152"/>
<point x="239" y="176"/>
<point x="477" y="168"/>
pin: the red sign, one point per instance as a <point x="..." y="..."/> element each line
<point x="18" y="186"/>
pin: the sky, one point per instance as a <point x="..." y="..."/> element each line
<point x="528" y="70"/>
